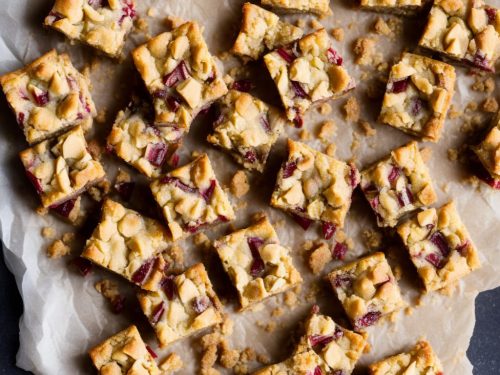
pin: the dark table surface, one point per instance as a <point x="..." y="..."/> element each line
<point x="484" y="351"/>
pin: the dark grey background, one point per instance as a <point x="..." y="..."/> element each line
<point x="484" y="351"/>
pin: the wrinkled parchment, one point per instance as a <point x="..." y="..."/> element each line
<point x="64" y="316"/>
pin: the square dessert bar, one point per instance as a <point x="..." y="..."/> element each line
<point x="182" y="305"/>
<point x="307" y="71"/>
<point x="62" y="168"/>
<point x="400" y="7"/>
<point x="102" y="24"/>
<point x="257" y="264"/>
<point x="137" y="141"/>
<point x="420" y="360"/>
<point x="191" y="197"/>
<point x="398" y="184"/>
<point x="247" y="128"/>
<point x="418" y="96"/>
<point x="319" y="7"/>
<point x="464" y="30"/>
<point x="439" y="245"/>
<point x="367" y="290"/>
<point x="313" y="186"/>
<point x="129" y="244"/>
<point x="262" y="30"/>
<point x="488" y="152"/>
<point x="338" y="347"/>
<point x="181" y="75"/>
<point x="305" y="363"/>
<point x="124" y="353"/>
<point x="48" y="97"/>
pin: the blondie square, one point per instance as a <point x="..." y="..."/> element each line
<point x="488" y="153"/>
<point x="319" y="7"/>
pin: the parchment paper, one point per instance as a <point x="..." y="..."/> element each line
<point x="64" y="316"/>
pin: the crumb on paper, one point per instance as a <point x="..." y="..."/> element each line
<point x="122" y="177"/>
<point x="325" y="109"/>
<point x="210" y="339"/>
<point x="313" y="292"/>
<point x="381" y="27"/>
<point x="263" y="359"/>
<point x="473" y="181"/>
<point x="452" y="154"/>
<point x="109" y="290"/>
<point x="201" y="239"/>
<point x="94" y="149"/>
<point x="171" y="364"/>
<point x="372" y="239"/>
<point x="301" y="22"/>
<point x="365" y="52"/>
<point x="490" y="105"/>
<point x="101" y="116"/>
<point x="209" y="357"/>
<point x="351" y="109"/>
<point x="268" y="326"/>
<point x="141" y="25"/>
<point x="227" y="326"/>
<point x="409" y="311"/>
<point x="454" y="112"/>
<point x="426" y="154"/>
<point x="173" y="22"/>
<point x="355" y="142"/>
<point x="327" y="131"/>
<point x="239" y="184"/>
<point x="307" y="245"/>
<point x="228" y="357"/>
<point x="290" y="299"/>
<point x="256" y="216"/>
<point x="48" y="232"/>
<point x="319" y="258"/>
<point x="58" y="249"/>
<point x="338" y="33"/>
<point x="445" y="187"/>
<point x="471" y="106"/>
<point x="152" y="12"/>
<point x="100" y="190"/>
<point x="277" y="312"/>
<point x="315" y="24"/>
<point x="42" y="211"/>
<point x="304" y="135"/>
<point x="330" y="149"/>
<point x="482" y="84"/>
<point x="224" y="56"/>
<point x="367" y="128"/>
<point x="398" y="272"/>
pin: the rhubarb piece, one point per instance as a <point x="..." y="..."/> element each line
<point x="257" y="264"/>
<point x="318" y="7"/>
<point x="68" y="210"/>
<point x="192" y="198"/>
<point x="338" y="347"/>
<point x="304" y="363"/>
<point x="313" y="186"/>
<point x="418" y="96"/>
<point x="420" y="360"/>
<point x="181" y="306"/>
<point x="367" y="290"/>
<point x="124" y="353"/>
<point x="248" y="128"/>
<point x="400" y="7"/>
<point x="306" y="72"/>
<point x="465" y="31"/>
<point x="439" y="246"/>
<point x="129" y="245"/>
<point x="103" y="25"/>
<point x="61" y="169"/>
<point x="138" y="142"/>
<point x="49" y="96"/>
<point x="488" y="153"/>
<point x="181" y="76"/>
<point x="391" y="194"/>
<point x="261" y="31"/>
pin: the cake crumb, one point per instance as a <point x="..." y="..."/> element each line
<point x="372" y="239"/>
<point x="109" y="290"/>
<point x="315" y="24"/>
<point x="454" y="113"/>
<point x="267" y="326"/>
<point x="48" y="232"/>
<point x="239" y="184"/>
<point x="263" y="359"/>
<point x="355" y="142"/>
<point x="171" y="363"/>
<point x="471" y="106"/>
<point x="173" y="22"/>
<point x="152" y="12"/>
<point x="381" y="27"/>
<point x="351" y="109"/>
<point x="291" y="299"/>
<point x="94" y="149"/>
<point x="327" y="131"/>
<point x="201" y="239"/>
<point x="448" y="290"/>
<point x="490" y="105"/>
<point x="58" y="249"/>
<point x="301" y="22"/>
<point x="409" y="311"/>
<point x="42" y="211"/>
<point x="338" y="33"/>
<point x="319" y="258"/>
<point x="325" y="109"/>
<point x="304" y="135"/>
<point x="330" y="149"/>
<point x="209" y="357"/>
<point x="248" y="355"/>
<point x="101" y="116"/>
<point x="210" y="339"/>
<point x="364" y="49"/>
<point x="482" y="84"/>
<point x="445" y="187"/>
<point x="141" y="25"/>
<point x="228" y="357"/>
<point x="277" y="312"/>
<point x="368" y="130"/>
<point x="452" y="154"/>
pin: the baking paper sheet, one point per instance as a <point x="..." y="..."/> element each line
<point x="64" y="316"/>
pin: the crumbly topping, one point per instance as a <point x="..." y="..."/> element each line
<point x="327" y="131"/>
<point x="325" y="109"/>
<point x="128" y="244"/>
<point x="58" y="249"/>
<point x="182" y="305"/>
<point x="351" y="109"/>
<point x="488" y="151"/>
<point x="247" y="128"/>
<point x="381" y="27"/>
<point x="102" y="25"/>
<point x="490" y="105"/>
<point x="304" y="135"/>
<point x="338" y="34"/>
<point x="483" y="84"/>
<point x="191" y="197"/>
<point x="256" y="263"/>
<point x="62" y="168"/>
<point x="418" y="96"/>
<point x="314" y="185"/>
<point x="439" y="245"/>
<point x="171" y="364"/>
<point x="367" y="290"/>
<point x="372" y="239"/>
<point x="465" y="31"/>
<point x="398" y="184"/>
<point x="239" y="184"/>
<point x="319" y="7"/>
<point x="48" y="97"/>
<point x="367" y="128"/>
<point x="365" y="51"/>
<point x="420" y="360"/>
<point x="48" y="232"/>
<point x="262" y="30"/>
<point x="181" y="75"/>
<point x="124" y="353"/>
<point x="309" y="71"/>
